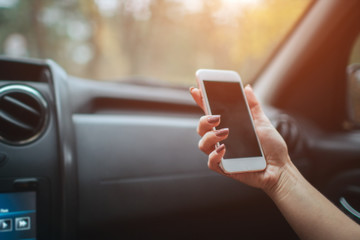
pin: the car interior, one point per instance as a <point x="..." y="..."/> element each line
<point x="83" y="159"/>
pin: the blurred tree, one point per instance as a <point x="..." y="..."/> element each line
<point x="163" y="39"/>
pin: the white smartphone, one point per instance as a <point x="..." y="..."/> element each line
<point x="223" y="95"/>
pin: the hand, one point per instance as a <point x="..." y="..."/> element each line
<point x="273" y="145"/>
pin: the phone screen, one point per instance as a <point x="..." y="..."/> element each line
<point x="227" y="99"/>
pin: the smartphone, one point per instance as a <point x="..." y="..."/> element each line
<point x="223" y="95"/>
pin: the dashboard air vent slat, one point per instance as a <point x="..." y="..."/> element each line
<point x="21" y="105"/>
<point x="7" y="118"/>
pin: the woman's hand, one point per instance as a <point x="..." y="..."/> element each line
<point x="273" y="145"/>
<point x="310" y="214"/>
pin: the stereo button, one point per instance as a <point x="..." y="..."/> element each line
<point x="6" y="225"/>
<point x="22" y="223"/>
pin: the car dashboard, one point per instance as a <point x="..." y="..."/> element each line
<point x="97" y="159"/>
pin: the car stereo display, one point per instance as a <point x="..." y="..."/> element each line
<point x="18" y="215"/>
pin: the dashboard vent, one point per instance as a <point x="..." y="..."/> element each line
<point x="23" y="114"/>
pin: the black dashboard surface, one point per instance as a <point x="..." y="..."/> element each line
<point x="121" y="157"/>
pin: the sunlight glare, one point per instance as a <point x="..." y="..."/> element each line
<point x="193" y="5"/>
<point x="197" y="5"/>
<point x="241" y="2"/>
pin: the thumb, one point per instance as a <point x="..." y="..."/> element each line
<point x="254" y="105"/>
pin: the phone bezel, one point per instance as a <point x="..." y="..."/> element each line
<point x="231" y="165"/>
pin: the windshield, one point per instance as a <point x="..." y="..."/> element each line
<point x="162" y="40"/>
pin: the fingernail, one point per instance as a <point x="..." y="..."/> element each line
<point x="222" y="132"/>
<point x="248" y="86"/>
<point x="220" y="148"/>
<point x="213" y="119"/>
<point x="191" y="88"/>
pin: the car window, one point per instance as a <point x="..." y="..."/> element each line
<point x="163" y="41"/>
<point x="354" y="83"/>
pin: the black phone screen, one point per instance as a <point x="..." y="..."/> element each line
<point x="227" y="99"/>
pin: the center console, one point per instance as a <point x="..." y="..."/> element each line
<point x="37" y="172"/>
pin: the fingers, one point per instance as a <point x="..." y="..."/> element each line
<point x="207" y="123"/>
<point x="208" y="141"/>
<point x="215" y="159"/>
<point x="197" y="96"/>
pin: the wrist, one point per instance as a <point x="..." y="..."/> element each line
<point x="288" y="178"/>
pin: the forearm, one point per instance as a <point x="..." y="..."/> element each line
<point x="310" y="214"/>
